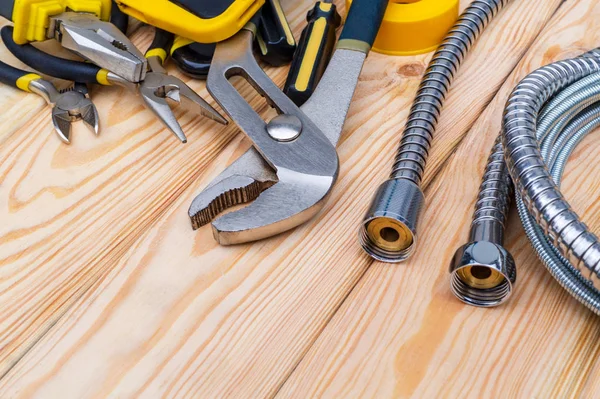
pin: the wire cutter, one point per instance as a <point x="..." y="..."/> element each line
<point x="293" y="164"/>
<point x="80" y="26"/>
<point x="67" y="106"/>
<point x="154" y="89"/>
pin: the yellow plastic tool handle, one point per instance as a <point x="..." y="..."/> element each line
<point x="203" y="21"/>
<point x="31" y="17"/>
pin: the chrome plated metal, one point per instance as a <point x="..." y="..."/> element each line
<point x="158" y="86"/>
<point x="421" y="125"/>
<point x="99" y="42"/>
<point x="547" y="114"/>
<point x="288" y="181"/>
<point x="284" y="127"/>
<point x="67" y="106"/>
<point x="484" y="257"/>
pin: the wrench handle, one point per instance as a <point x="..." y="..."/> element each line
<point x="362" y="24"/>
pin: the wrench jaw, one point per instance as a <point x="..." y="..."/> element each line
<point x="293" y="200"/>
<point x="279" y="201"/>
<point x="240" y="183"/>
<point x="234" y="190"/>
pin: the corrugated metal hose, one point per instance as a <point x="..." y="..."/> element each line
<point x="546" y="116"/>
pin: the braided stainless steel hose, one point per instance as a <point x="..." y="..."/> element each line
<point x="389" y="229"/>
<point x="537" y="144"/>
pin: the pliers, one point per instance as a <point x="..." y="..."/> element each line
<point x="67" y="106"/>
<point x="154" y="89"/>
<point x="79" y="26"/>
<point x="292" y="167"/>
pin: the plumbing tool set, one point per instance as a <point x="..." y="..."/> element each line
<point x="288" y="173"/>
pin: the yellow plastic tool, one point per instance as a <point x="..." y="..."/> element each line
<point x="205" y="21"/>
<point x="414" y="26"/>
<point x="31" y="16"/>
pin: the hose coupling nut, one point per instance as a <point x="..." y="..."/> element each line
<point x="389" y="229"/>
<point x="483" y="274"/>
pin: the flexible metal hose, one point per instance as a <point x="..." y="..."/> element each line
<point x="565" y="245"/>
<point x="388" y="232"/>
<point x="484" y="271"/>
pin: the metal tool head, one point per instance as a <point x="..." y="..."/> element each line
<point x="287" y="174"/>
<point x="99" y="42"/>
<point x="158" y="86"/>
<point x="68" y="106"/>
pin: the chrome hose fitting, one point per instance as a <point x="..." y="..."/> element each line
<point x="389" y="231"/>
<point x="392" y="210"/>
<point x="546" y="116"/>
<point x="483" y="271"/>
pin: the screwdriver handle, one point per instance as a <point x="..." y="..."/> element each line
<point x="275" y="41"/>
<point x="313" y="53"/>
<point x="362" y="24"/>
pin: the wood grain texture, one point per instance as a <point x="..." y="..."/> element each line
<point x="401" y="333"/>
<point x="106" y="291"/>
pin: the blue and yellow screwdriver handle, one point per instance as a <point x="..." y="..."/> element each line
<point x="31" y="18"/>
<point x="314" y="50"/>
<point x="203" y="21"/>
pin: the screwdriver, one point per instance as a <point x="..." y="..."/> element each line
<point x="275" y="41"/>
<point x="314" y="51"/>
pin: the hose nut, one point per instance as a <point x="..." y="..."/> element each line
<point x="389" y="229"/>
<point x="483" y="274"/>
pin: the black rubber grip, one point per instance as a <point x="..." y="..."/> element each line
<point x="162" y="40"/>
<point x="363" y="20"/>
<point x="205" y="9"/>
<point x="6" y="8"/>
<point x="48" y="64"/>
<point x="194" y="59"/>
<point x="274" y="42"/>
<point x="118" y="18"/>
<point x="326" y="43"/>
<point x="9" y="74"/>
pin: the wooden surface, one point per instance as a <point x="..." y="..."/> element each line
<point x="106" y="291"/>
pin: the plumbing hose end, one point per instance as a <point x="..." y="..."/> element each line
<point x="389" y="229"/>
<point x="483" y="274"/>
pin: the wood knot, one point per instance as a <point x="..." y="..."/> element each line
<point x="410" y="70"/>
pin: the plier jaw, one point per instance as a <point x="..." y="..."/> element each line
<point x="158" y="86"/>
<point x="67" y="106"/>
<point x="99" y="42"/>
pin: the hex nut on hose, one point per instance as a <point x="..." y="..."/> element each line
<point x="483" y="274"/>
<point x="389" y="229"/>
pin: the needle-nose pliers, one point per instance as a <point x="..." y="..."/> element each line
<point x="154" y="89"/>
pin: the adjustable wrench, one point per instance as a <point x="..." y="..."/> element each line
<point x="293" y="164"/>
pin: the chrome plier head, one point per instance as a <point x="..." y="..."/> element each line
<point x="68" y="106"/>
<point x="158" y="86"/>
<point x="99" y="42"/>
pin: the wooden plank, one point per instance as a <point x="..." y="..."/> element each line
<point x="112" y="276"/>
<point x="401" y="333"/>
